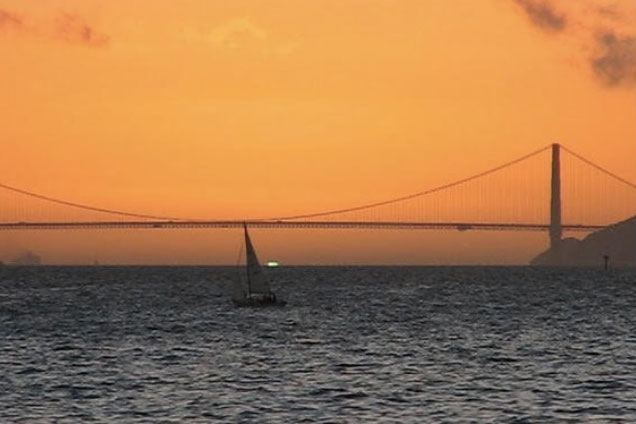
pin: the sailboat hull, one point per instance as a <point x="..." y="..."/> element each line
<point x="258" y="302"/>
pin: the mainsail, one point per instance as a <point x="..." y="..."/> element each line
<point x="256" y="280"/>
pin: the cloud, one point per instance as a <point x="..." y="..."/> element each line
<point x="67" y="27"/>
<point x="10" y="20"/>
<point x="597" y="28"/>
<point x="236" y="33"/>
<point x="616" y="62"/>
<point x="609" y="12"/>
<point x="242" y="34"/>
<point x="544" y="15"/>
<point x="74" y="29"/>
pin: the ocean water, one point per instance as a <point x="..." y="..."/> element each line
<point x="354" y="345"/>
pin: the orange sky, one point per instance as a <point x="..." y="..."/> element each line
<point x="231" y="109"/>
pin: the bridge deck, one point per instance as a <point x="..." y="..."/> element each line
<point x="377" y="225"/>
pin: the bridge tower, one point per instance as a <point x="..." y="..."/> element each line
<point x="556" y="231"/>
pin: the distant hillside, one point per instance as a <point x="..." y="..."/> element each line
<point x="617" y="241"/>
<point x="27" y="258"/>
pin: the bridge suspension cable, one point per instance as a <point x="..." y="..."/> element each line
<point x="599" y="168"/>
<point x="363" y="207"/>
<point x="86" y="207"/>
<point x="413" y="195"/>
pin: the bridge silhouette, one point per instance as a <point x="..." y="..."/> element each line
<point x="518" y="195"/>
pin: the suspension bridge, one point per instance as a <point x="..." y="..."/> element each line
<point x="524" y="194"/>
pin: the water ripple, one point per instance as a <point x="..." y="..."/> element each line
<point x="408" y="345"/>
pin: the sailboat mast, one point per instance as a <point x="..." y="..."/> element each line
<point x="247" y="270"/>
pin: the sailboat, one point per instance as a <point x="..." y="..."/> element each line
<point x="255" y="291"/>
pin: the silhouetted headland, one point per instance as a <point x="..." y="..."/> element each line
<point x="617" y="242"/>
<point x="27" y="259"/>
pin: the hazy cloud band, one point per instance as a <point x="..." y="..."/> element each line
<point x="614" y="62"/>
<point x="67" y="27"/>
<point x="544" y="15"/>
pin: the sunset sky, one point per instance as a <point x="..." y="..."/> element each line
<point x="233" y="109"/>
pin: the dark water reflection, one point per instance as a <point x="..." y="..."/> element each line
<point x="512" y="345"/>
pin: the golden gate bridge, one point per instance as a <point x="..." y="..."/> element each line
<point x="574" y="195"/>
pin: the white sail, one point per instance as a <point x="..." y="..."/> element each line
<point x="256" y="280"/>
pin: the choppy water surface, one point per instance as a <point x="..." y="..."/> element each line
<point x="517" y="345"/>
